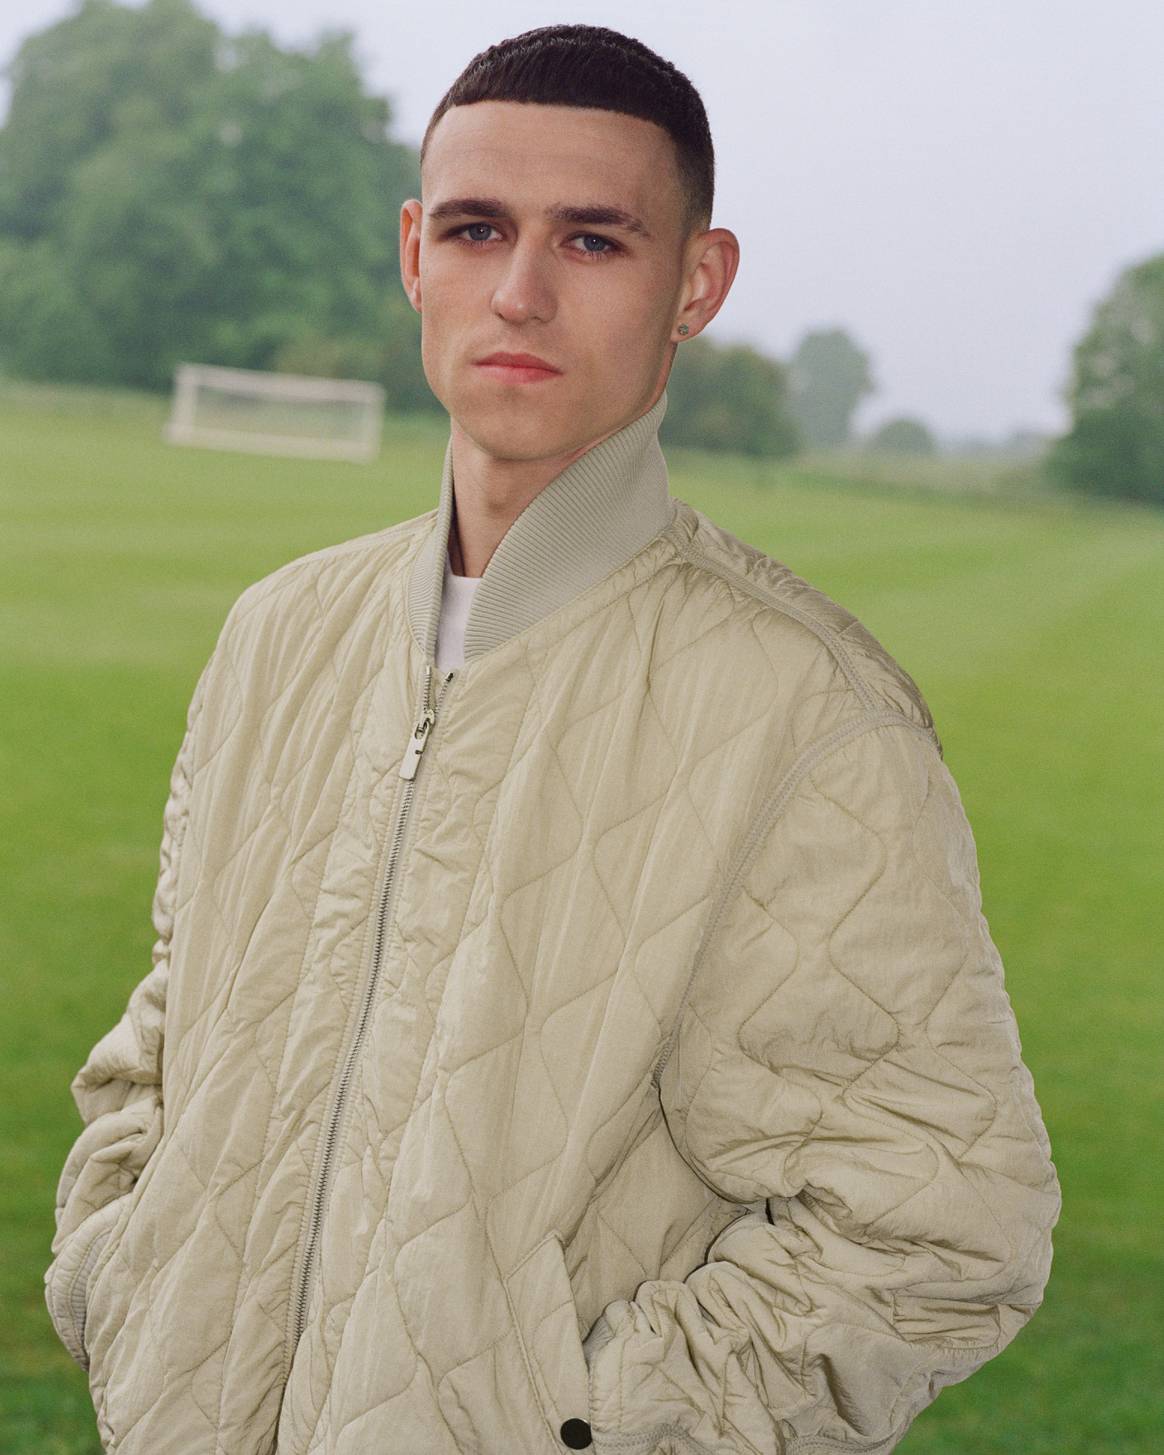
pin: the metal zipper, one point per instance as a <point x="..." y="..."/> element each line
<point x="408" y="769"/>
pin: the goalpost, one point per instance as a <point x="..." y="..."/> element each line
<point x="276" y="414"/>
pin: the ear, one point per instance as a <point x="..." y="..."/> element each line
<point x="712" y="258"/>
<point x="411" y="216"/>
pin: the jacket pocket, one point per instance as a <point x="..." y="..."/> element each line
<point x="69" y="1276"/>
<point x="542" y="1302"/>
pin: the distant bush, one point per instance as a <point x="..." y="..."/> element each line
<point x="729" y="397"/>
<point x="903" y="437"/>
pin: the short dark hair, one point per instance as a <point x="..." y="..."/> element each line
<point x="590" y="65"/>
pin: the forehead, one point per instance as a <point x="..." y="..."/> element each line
<point x="580" y="154"/>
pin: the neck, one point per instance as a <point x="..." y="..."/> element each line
<point x="584" y="523"/>
<point x="490" y="493"/>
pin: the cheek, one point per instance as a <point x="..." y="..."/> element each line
<point x="617" y="303"/>
<point x="452" y="305"/>
<point x="446" y="277"/>
<point x="634" y="324"/>
<point x="645" y="296"/>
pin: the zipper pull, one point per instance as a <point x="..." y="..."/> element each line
<point x="421" y="731"/>
<point x="416" y="744"/>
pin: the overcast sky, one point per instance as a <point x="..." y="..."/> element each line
<point x="956" y="185"/>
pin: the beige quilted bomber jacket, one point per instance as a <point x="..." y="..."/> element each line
<point x="599" y="1045"/>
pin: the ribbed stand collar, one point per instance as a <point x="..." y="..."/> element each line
<point x="600" y="511"/>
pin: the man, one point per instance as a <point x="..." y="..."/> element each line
<point x="589" y="1036"/>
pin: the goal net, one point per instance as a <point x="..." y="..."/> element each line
<point x="275" y="414"/>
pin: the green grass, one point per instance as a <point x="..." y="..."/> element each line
<point x="1032" y="625"/>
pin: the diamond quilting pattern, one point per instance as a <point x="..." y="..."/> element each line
<point x="596" y="883"/>
<point x="845" y="1101"/>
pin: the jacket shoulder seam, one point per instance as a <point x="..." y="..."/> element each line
<point x="831" y="639"/>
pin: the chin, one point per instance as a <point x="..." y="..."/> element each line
<point x="509" y="424"/>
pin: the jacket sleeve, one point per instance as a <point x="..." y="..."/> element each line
<point x="847" y="1067"/>
<point x="118" y="1092"/>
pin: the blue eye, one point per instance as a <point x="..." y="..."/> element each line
<point x="608" y="248"/>
<point x="607" y="245"/>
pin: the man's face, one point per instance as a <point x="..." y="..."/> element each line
<point x="597" y="299"/>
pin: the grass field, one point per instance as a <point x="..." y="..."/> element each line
<point x="1033" y="628"/>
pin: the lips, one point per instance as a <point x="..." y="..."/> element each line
<point x="519" y="361"/>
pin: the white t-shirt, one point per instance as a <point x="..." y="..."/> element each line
<point x="456" y="598"/>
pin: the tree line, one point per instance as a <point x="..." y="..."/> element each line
<point x="171" y="192"/>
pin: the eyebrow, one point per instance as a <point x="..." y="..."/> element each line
<point x="595" y="215"/>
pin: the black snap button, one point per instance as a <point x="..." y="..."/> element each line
<point x="576" y="1434"/>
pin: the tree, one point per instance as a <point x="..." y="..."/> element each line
<point x="168" y="192"/>
<point x="830" y="376"/>
<point x="1115" y="446"/>
<point x="903" y="436"/>
<point x="728" y="398"/>
<point x="78" y="84"/>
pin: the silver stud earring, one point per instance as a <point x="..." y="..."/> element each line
<point x="683" y="328"/>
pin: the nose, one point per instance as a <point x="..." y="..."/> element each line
<point x="524" y="290"/>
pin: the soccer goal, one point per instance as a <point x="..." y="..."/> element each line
<point x="275" y="414"/>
